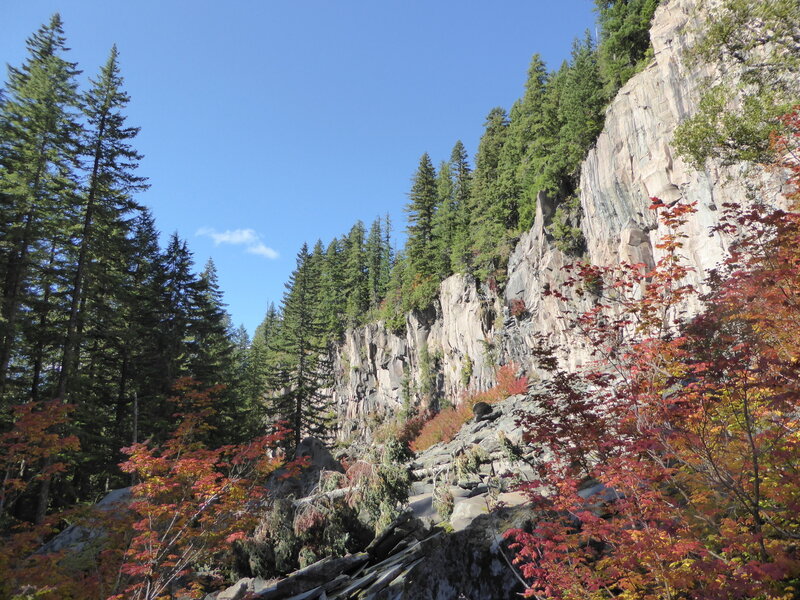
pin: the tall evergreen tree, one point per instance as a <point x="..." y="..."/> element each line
<point x="257" y="362"/>
<point x="106" y="202"/>
<point x="420" y="248"/>
<point x="387" y="258"/>
<point x="177" y="297"/>
<point x="489" y="214"/>
<point x="355" y="275"/>
<point x="332" y="290"/>
<point x="374" y="257"/>
<point x="39" y="143"/>
<point x="624" y="39"/>
<point x="460" y="254"/>
<point x="581" y="107"/>
<point x="536" y="136"/>
<point x="444" y="219"/>
<point x="303" y="369"/>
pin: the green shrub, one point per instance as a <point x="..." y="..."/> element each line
<point x="466" y="371"/>
<point x="565" y="228"/>
<point x="443" y="500"/>
<point x="378" y="489"/>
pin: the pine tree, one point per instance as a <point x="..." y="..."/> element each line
<point x="420" y="248"/>
<point x="460" y="255"/>
<point x="39" y="143"/>
<point x="302" y="370"/>
<point x="355" y="275"/>
<point x="107" y="202"/>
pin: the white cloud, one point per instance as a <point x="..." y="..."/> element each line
<point x="239" y="237"/>
<point x="262" y="250"/>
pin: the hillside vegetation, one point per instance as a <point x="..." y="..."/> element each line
<point x="119" y="366"/>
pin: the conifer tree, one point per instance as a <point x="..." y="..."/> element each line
<point x="374" y="257"/>
<point x="581" y="105"/>
<point x="332" y="290"/>
<point x="624" y="39"/>
<point x="387" y="258"/>
<point x="537" y="130"/>
<point x="420" y="248"/>
<point x="106" y="202"/>
<point x="257" y="365"/>
<point x="444" y="220"/>
<point x="209" y="340"/>
<point x="460" y="255"/>
<point x="488" y="214"/>
<point x="302" y="370"/>
<point x="355" y="275"/>
<point x="177" y="297"/>
<point x="39" y="143"/>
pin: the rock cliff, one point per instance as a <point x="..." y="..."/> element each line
<point x="457" y="344"/>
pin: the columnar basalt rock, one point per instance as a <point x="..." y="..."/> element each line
<point x="632" y="161"/>
<point x="378" y="372"/>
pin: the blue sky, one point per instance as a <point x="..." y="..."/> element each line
<point x="266" y="124"/>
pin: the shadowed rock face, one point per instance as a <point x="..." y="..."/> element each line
<point x="633" y="160"/>
<point x="78" y="539"/>
<point x="406" y="561"/>
<point x="319" y="459"/>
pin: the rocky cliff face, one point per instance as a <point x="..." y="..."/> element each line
<point x="457" y="345"/>
<point x="447" y="349"/>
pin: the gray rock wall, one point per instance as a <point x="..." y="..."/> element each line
<point x="632" y="161"/>
<point x="376" y="370"/>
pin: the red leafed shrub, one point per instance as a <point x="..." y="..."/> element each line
<point x="508" y="383"/>
<point x="192" y="502"/>
<point x="690" y="424"/>
<point x="411" y="428"/>
<point x="445" y="425"/>
<point x="518" y="308"/>
<point x="34" y="448"/>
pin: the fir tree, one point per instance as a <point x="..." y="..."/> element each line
<point x="302" y="370"/>
<point x="39" y="144"/>
<point x="581" y="105"/>
<point x="460" y="254"/>
<point x="332" y="290"/>
<point x="420" y="248"/>
<point x="374" y="257"/>
<point x="107" y="202"/>
<point x="624" y="39"/>
<point x="355" y="275"/>
<point x="444" y="220"/>
<point x="488" y="208"/>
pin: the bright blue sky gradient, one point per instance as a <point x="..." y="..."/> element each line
<point x="294" y="119"/>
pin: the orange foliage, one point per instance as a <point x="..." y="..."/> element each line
<point x="192" y="501"/>
<point x="446" y="424"/>
<point x="32" y="450"/>
<point x="190" y="505"/>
